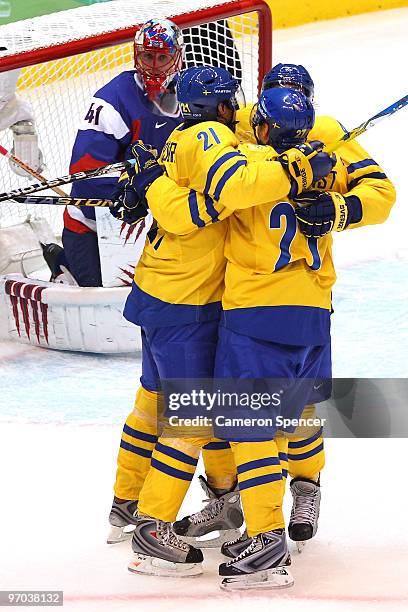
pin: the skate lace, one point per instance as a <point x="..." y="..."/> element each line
<point x="211" y="511"/>
<point x="169" y="538"/>
<point x="304" y="509"/>
<point x="247" y="551"/>
<point x="242" y="537"/>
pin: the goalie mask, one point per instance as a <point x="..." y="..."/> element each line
<point x="158" y="54"/>
<point x="289" y="115"/>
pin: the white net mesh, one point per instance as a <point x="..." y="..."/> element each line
<point x="59" y="90"/>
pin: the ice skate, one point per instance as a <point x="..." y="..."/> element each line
<point x="233" y="548"/>
<point x="55" y="259"/>
<point x="262" y="565"/>
<point x="305" y="510"/>
<point x="222" y="515"/>
<point x="158" y="551"/>
<point x="122" y="518"/>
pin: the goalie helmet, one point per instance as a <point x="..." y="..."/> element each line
<point x="289" y="115"/>
<point x="158" y="54"/>
<point x="293" y="76"/>
<point x="201" y="89"/>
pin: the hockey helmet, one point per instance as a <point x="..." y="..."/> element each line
<point x="289" y="115"/>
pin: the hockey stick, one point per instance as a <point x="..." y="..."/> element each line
<point x="55" y="201"/>
<point x="62" y="180"/>
<point x="28" y="169"/>
<point x="69" y="178"/>
<point x="363" y="127"/>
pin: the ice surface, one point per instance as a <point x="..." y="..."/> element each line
<point x="61" y="413"/>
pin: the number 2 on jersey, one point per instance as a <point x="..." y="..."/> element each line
<point x="208" y="137"/>
<point x="284" y="209"/>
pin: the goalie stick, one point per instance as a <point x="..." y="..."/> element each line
<point x="28" y="169"/>
<point x="70" y="178"/>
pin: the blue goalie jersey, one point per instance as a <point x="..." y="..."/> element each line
<point x="119" y="113"/>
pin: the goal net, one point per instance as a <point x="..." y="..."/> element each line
<point x="65" y="57"/>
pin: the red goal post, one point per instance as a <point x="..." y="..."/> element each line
<point x="65" y="57"/>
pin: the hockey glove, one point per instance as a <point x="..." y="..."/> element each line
<point x="144" y="168"/>
<point x="305" y="164"/>
<point x="127" y="207"/>
<point x="321" y="212"/>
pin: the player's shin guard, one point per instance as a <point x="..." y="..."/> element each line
<point x="137" y="443"/>
<point x="260" y="484"/>
<point x="139" y="437"/>
<point x="219" y="466"/>
<point x="172" y="469"/>
<point x="282" y="445"/>
<point x="306" y="450"/>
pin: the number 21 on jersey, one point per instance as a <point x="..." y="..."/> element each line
<point x="209" y="138"/>
<point x="285" y="210"/>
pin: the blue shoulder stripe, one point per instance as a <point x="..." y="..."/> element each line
<point x="209" y="206"/>
<point x="217" y="165"/>
<point x="193" y="205"/>
<point x="227" y="175"/>
<point x="374" y="175"/>
<point x="361" y="164"/>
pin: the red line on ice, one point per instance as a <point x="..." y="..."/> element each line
<point x="237" y="595"/>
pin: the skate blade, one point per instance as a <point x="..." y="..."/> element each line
<point x="118" y="534"/>
<point x="210" y="540"/>
<point x="152" y="566"/>
<point x="300" y="546"/>
<point x="276" y="578"/>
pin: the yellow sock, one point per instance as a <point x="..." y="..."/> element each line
<point x="137" y="443"/>
<point x="261" y="485"/>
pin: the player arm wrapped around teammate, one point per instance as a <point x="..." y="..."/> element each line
<point x="305" y="164"/>
<point x="140" y="172"/>
<point x="321" y="212"/>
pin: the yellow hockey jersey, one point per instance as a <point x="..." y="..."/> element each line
<point x="278" y="282"/>
<point x="180" y="276"/>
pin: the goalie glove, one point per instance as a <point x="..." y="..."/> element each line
<point x="25" y="147"/>
<point x="321" y="212"/>
<point x="305" y="164"/>
<point x="127" y="207"/>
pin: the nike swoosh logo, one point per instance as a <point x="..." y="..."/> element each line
<point x="317" y="387"/>
<point x="159" y="125"/>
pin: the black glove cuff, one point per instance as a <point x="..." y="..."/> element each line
<point x="355" y="209"/>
